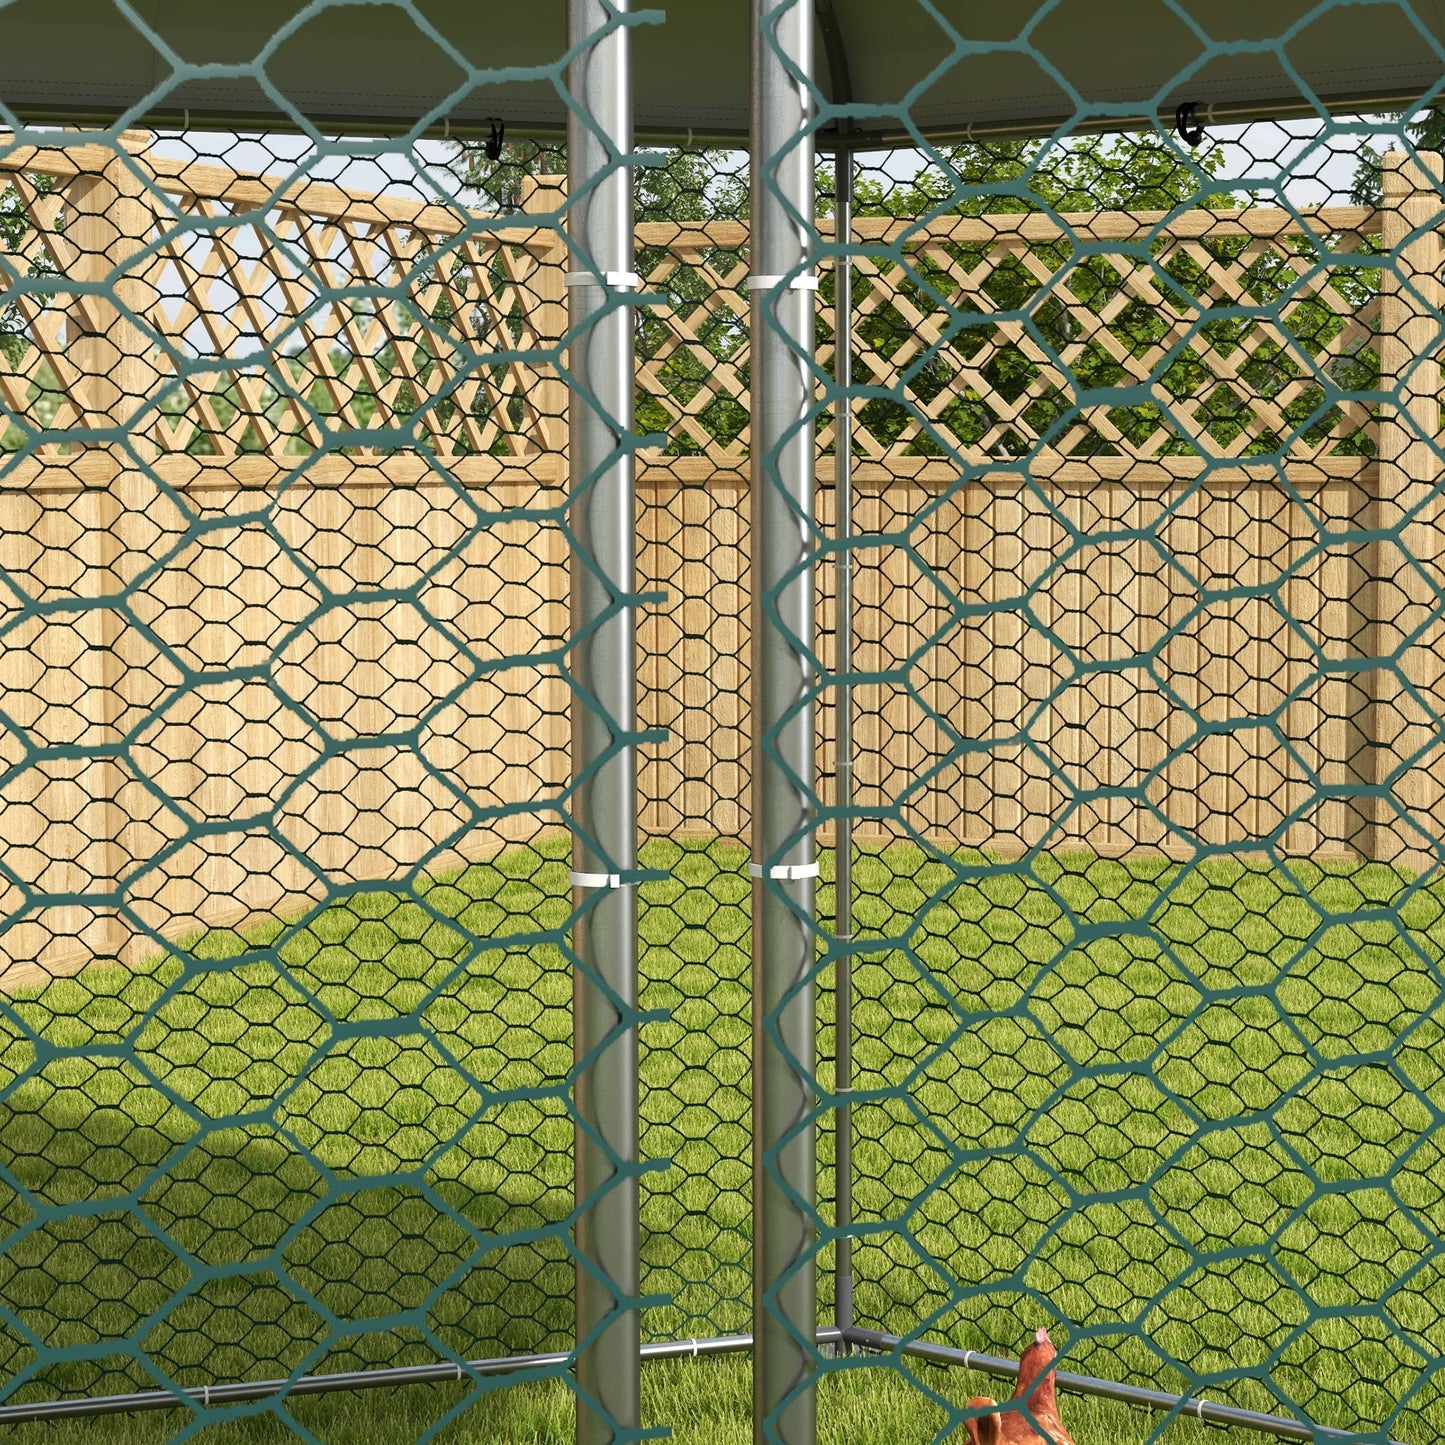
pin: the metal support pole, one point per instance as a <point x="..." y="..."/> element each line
<point x="843" y="827"/>
<point x="783" y="790"/>
<point x="604" y="666"/>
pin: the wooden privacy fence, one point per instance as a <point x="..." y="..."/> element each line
<point x="239" y="406"/>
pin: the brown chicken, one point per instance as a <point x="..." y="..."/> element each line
<point x="1035" y="1389"/>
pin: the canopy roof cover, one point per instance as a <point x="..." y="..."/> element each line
<point x="987" y="66"/>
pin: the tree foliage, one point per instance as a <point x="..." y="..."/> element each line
<point x="1426" y="132"/>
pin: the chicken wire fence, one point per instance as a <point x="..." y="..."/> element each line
<point x="1146" y="840"/>
<point x="1126" y="735"/>
<point x="313" y="1051"/>
<point x="1143" y="930"/>
<point x="1128" y="1013"/>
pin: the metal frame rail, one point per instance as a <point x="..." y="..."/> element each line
<point x="243" y="1392"/>
<point x="450" y="1372"/>
<point x="1161" y="1400"/>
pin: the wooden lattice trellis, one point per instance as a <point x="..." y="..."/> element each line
<point x="1015" y="313"/>
<point x="274" y="313"/>
<point x="1241" y="328"/>
<point x="277" y="315"/>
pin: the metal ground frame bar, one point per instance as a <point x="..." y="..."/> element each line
<point x="1212" y="1414"/>
<point x="243" y="1392"/>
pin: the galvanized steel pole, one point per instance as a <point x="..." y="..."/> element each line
<point x="604" y="665"/>
<point x="783" y="790"/>
<point x="843" y="827"/>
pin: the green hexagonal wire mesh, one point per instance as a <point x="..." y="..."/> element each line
<point x="287" y="796"/>
<point x="1140" y="776"/>
<point x="1141" y="934"/>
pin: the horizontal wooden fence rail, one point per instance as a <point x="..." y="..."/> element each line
<point x="1148" y="620"/>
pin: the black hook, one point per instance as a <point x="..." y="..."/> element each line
<point x="494" y="142"/>
<point x="1190" y="131"/>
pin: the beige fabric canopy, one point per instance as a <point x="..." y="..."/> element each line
<point x="1088" y="60"/>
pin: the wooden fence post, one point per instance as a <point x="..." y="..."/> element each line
<point x="110" y="221"/>
<point x="544" y="196"/>
<point x="1409" y="473"/>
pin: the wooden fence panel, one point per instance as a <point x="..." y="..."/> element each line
<point x="1132" y="635"/>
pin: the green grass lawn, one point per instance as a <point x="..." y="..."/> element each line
<point x="1183" y="1117"/>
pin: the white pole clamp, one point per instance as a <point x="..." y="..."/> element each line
<point x="596" y="880"/>
<point x="794" y="283"/>
<point x="789" y="872"/>
<point x="616" y="280"/>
